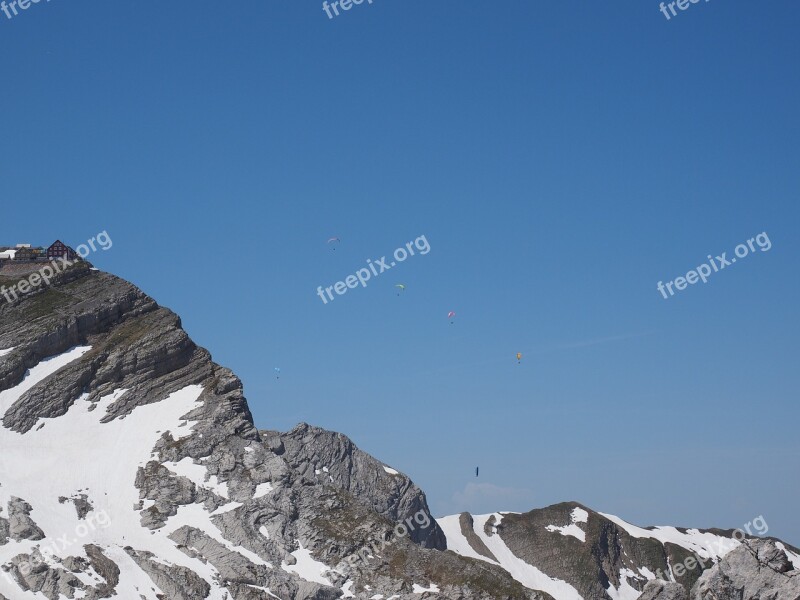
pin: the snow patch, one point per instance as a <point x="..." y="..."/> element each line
<point x="793" y="558"/>
<point x="647" y="573"/>
<point x="262" y="489"/>
<point x="263" y="589"/>
<point x="390" y="471"/>
<point x="226" y="508"/>
<point x="346" y="589"/>
<point x="625" y="591"/>
<point x="578" y="515"/>
<point x="418" y="589"/>
<point x="307" y="567"/>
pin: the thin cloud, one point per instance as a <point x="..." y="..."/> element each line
<point x="479" y="498"/>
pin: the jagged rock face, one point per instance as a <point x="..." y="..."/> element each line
<point x="324" y="455"/>
<point x="131" y="468"/>
<point x="758" y="570"/>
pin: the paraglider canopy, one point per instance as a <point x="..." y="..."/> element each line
<point x="476" y="471"/>
<point x="334" y="240"/>
<point x="277" y="373"/>
<point x="451" y="315"/>
<point x="400" y="287"/>
<point x="519" y="356"/>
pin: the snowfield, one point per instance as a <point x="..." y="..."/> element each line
<point x="51" y="461"/>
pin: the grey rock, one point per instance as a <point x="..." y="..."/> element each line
<point x="467" y="524"/>
<point x="663" y="590"/>
<point x="757" y="570"/>
<point x="178" y="583"/>
<point x="5" y="531"/>
<point x="332" y="458"/>
<point x="34" y="575"/>
<point x="21" y="526"/>
<point x="106" y="568"/>
<point x="231" y="566"/>
<point x="82" y="506"/>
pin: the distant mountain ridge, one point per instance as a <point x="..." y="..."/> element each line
<point x="572" y="552"/>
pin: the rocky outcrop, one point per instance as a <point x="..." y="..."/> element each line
<point x="467" y="526"/>
<point x="330" y="457"/>
<point x="178" y="583"/>
<point x="663" y="590"/>
<point x="21" y="526"/>
<point x="758" y="570"/>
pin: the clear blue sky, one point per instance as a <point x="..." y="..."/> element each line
<point x="561" y="158"/>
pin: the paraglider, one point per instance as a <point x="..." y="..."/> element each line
<point x="476" y="471"/>
<point x="519" y="357"/>
<point x="451" y="315"/>
<point x="277" y="373"/>
<point x="334" y="241"/>
<point x="400" y="287"/>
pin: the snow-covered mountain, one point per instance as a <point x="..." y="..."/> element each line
<point x="571" y="552"/>
<point x="130" y="467"/>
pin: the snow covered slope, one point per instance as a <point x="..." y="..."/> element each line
<point x="572" y="552"/>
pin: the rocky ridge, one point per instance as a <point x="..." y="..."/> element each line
<point x="219" y="509"/>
